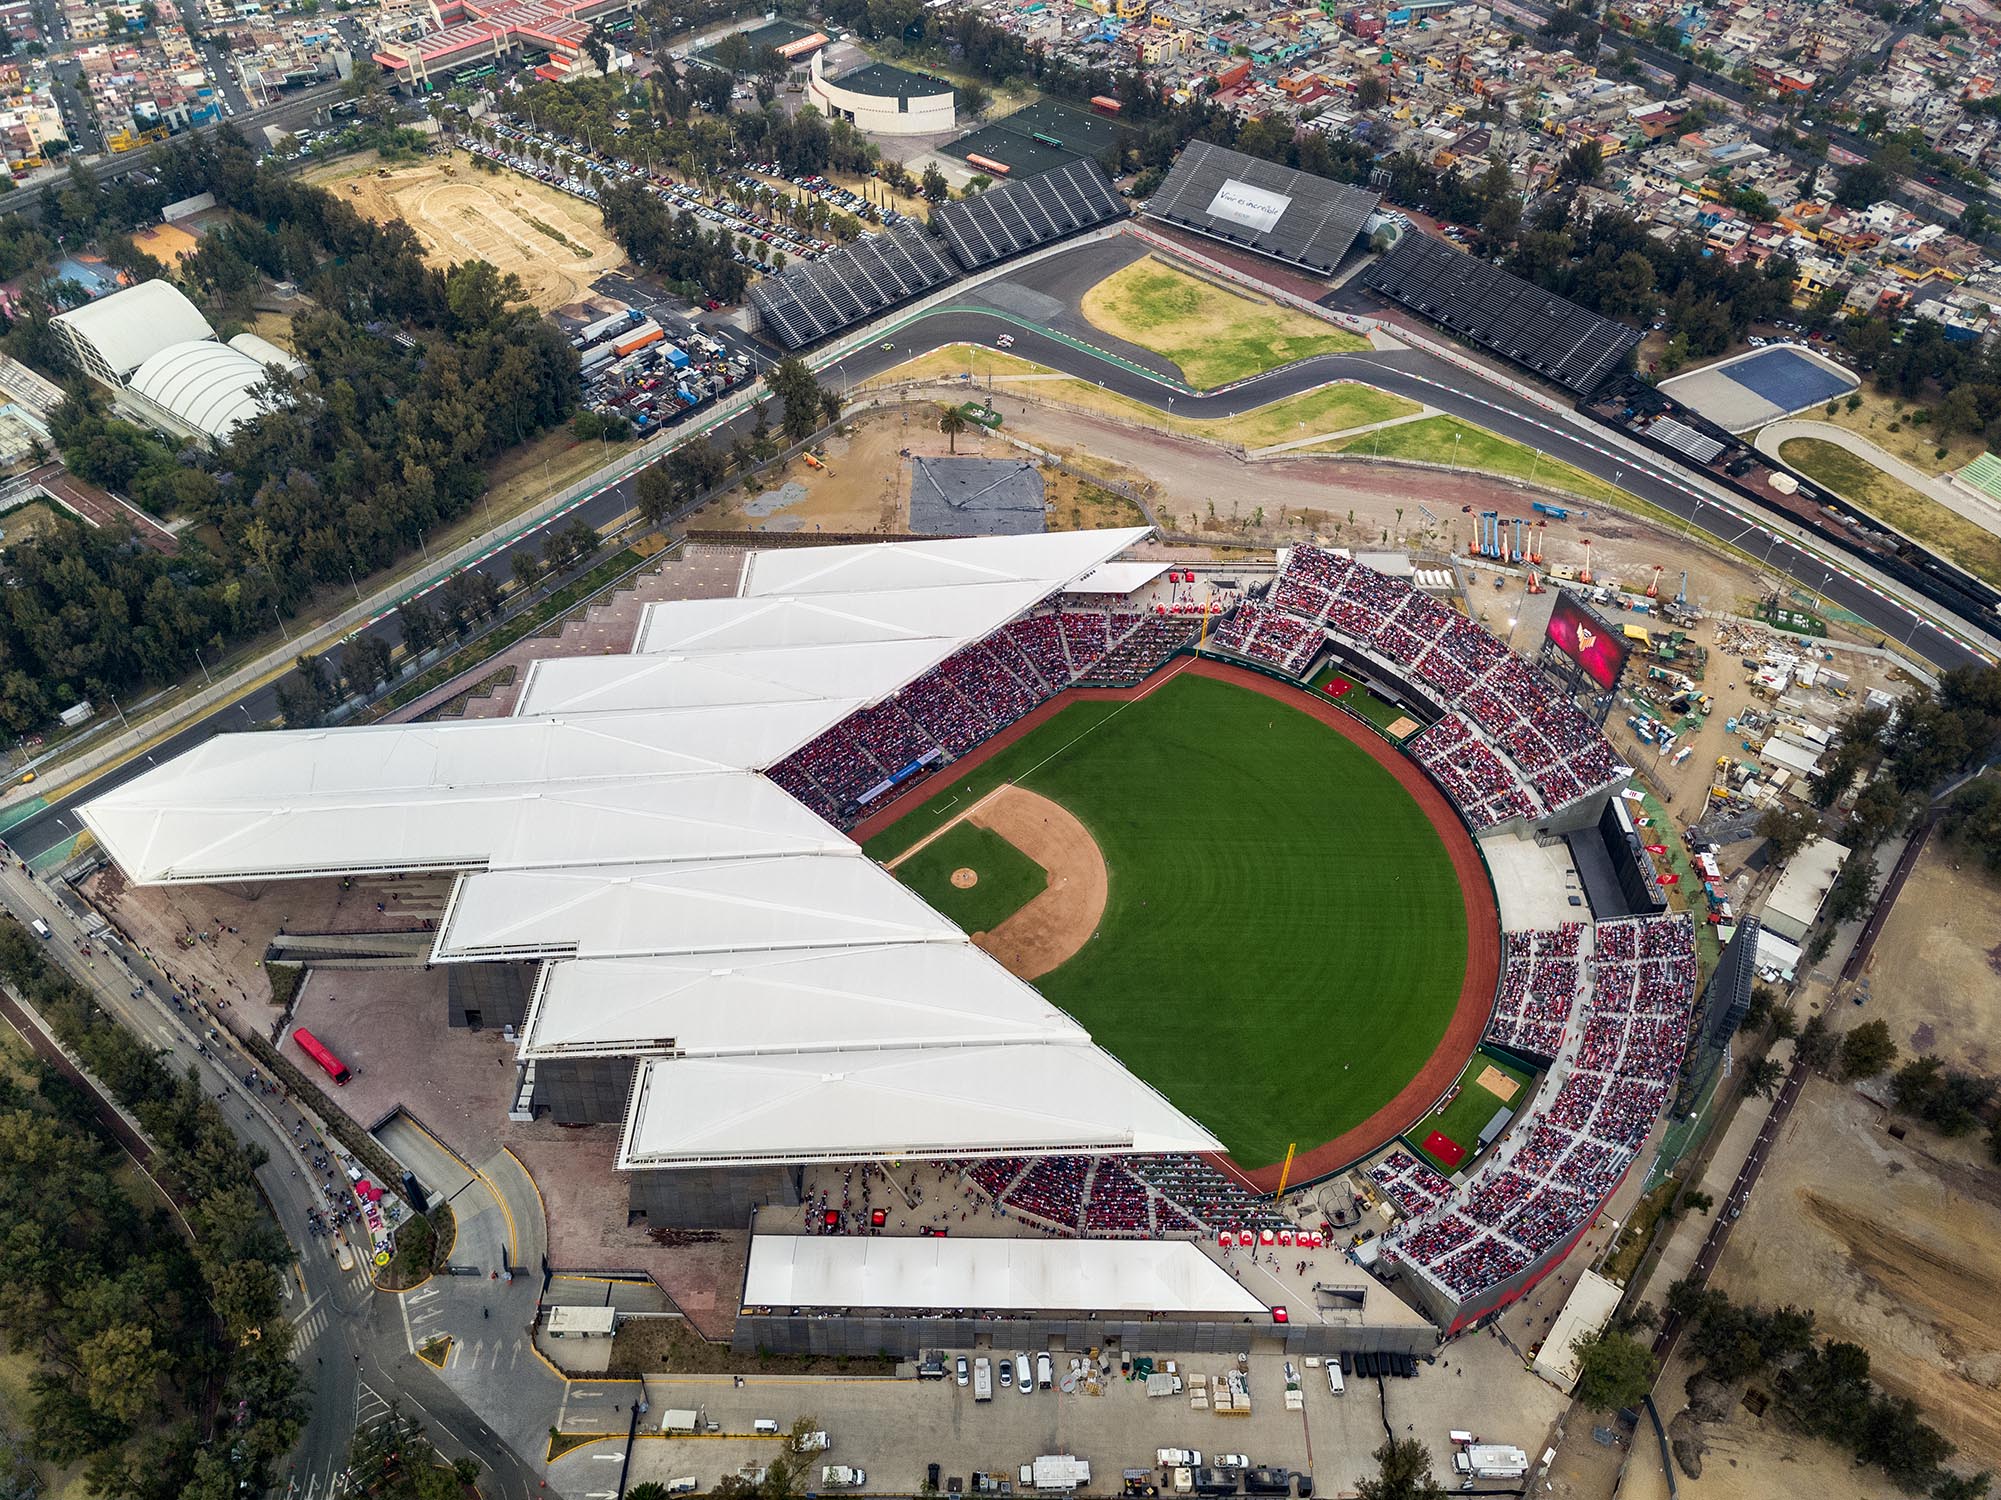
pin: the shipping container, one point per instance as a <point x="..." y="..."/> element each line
<point x="638" y="338"/>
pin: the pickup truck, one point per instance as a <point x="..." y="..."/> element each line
<point x="812" y="1442"/>
<point x="842" y="1477"/>
<point x="1178" y="1458"/>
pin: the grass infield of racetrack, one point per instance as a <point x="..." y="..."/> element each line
<point x="1007" y="879"/>
<point x="1466" y="1116"/>
<point x="1285" y="939"/>
<point x="1213" y="334"/>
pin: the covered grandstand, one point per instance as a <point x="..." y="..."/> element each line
<point x="807" y="302"/>
<point x="1016" y="216"/>
<point x="788" y="1000"/>
<point x="1292" y="216"/>
<point x="1517" y="319"/>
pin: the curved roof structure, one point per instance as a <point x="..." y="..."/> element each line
<point x="128" y="328"/>
<point x="207" y="385"/>
<point x="789" y="999"/>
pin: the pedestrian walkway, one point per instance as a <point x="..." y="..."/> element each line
<point x="1962" y="502"/>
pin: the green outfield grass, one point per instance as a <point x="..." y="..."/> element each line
<point x="1215" y="335"/>
<point x="1432" y="441"/>
<point x="1284" y="939"/>
<point x="1008" y="879"/>
<point x="1466" y="1116"/>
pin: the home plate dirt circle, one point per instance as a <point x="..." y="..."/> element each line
<point x="965" y="877"/>
<point x="1052" y="927"/>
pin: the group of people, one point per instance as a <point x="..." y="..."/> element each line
<point x="1269" y="634"/>
<point x="1540" y="976"/>
<point x="1411" y="1185"/>
<point x="1481" y="785"/>
<point x="972" y="695"/>
<point x="1551" y="1174"/>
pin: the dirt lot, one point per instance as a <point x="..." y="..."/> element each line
<point x="1895" y="1245"/>
<point x="25" y="522"/>
<point x="553" y="242"/>
<point x="865" y="485"/>
<point x="1936" y="973"/>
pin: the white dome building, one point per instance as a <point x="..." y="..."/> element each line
<point x="206" y="385"/>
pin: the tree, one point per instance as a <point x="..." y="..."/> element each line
<point x="1816" y="1041"/>
<point x="653" y="494"/>
<point x="1788" y="831"/>
<point x="1614" y="1371"/>
<point x="934" y="184"/>
<point x="1963" y="1486"/>
<point x="1867" y="1051"/>
<point x="651" y="1489"/>
<point x="1403" y="1472"/>
<point x="951" y="422"/>
<point x="1763" y="1077"/>
<point x="1373" y="92"/>
<point x="1584" y="162"/>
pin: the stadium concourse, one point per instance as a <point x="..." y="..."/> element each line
<point x="649" y="857"/>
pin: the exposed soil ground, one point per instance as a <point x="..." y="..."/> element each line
<point x="1895" y="1245"/>
<point x="553" y="242"/>
<point x="1935" y="974"/>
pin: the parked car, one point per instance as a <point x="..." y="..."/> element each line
<point x="961" y="1371"/>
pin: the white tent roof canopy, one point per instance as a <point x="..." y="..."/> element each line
<point x="700" y="906"/>
<point x="1052" y="558"/>
<point x="932" y="1101"/>
<point x="833" y="999"/>
<point x="617" y="826"/>
<point x="1118" y="578"/>
<point x="1172" y="1277"/>
<point x="692" y="627"/>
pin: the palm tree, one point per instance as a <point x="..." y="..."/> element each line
<point x="952" y="422"/>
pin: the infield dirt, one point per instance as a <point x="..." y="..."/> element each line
<point x="1051" y="928"/>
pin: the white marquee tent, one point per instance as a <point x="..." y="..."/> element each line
<point x="791" y="999"/>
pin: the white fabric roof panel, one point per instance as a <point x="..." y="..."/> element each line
<point x="717" y="906"/>
<point x="688" y="627"/>
<point x="996" y="1275"/>
<point x="128" y="328"/>
<point x="836" y="676"/>
<point x="1053" y="558"/>
<point x="424" y="796"/>
<point x="934" y="1101"/>
<point x="876" y="995"/>
<point x="1119" y="578"/>
<point x="207" y="385"/>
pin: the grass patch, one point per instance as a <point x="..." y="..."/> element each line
<point x="1431" y="441"/>
<point x="435" y="1351"/>
<point x="1215" y="335"/>
<point x="285" y="981"/>
<point x="1895" y="503"/>
<point x="1270" y="886"/>
<point x="1362" y="703"/>
<point x="558" y="236"/>
<point x="566" y="1442"/>
<point x="1007" y="879"/>
<point x="954" y="360"/>
<point x="1916" y="443"/>
<point x="1467" y="1115"/>
<point x="1638" y="1232"/>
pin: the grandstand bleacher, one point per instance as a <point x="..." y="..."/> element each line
<point x="1293" y="216"/>
<point x="1518" y="320"/>
<point x="806" y="303"/>
<point x="1015" y="216"/>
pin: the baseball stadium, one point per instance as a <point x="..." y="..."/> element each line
<point x="1020" y="889"/>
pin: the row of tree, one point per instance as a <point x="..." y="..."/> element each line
<point x="161" y="1360"/>
<point x="417" y="380"/>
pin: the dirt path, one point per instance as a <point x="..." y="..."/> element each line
<point x="1052" y="927"/>
<point x="1483" y="926"/>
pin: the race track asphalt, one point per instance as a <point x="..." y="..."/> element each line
<point x="1412" y="373"/>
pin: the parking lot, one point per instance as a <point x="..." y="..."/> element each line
<point x="893" y="1428"/>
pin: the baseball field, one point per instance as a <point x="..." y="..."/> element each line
<point x="1281" y="934"/>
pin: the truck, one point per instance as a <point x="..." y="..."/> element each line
<point x="680" y="1419"/>
<point x="1491" y="1461"/>
<point x="983" y="1379"/>
<point x="1215" y="1482"/>
<point x="811" y="1442"/>
<point x="1177" y="1458"/>
<point x="638" y="337"/>
<point x="1055" y="1473"/>
<point x="842" y="1477"/>
<point x="41" y="929"/>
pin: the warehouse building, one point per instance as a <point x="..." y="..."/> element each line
<point x="1795" y="902"/>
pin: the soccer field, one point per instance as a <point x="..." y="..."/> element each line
<point x="1284" y="940"/>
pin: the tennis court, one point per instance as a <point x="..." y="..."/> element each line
<point x="1760" y="387"/>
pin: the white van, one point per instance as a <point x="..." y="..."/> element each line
<point x="764" y="1427"/>
<point x="1335" y="1384"/>
<point x="1022" y="1377"/>
<point x="687" y="1484"/>
<point x="1045" y="1376"/>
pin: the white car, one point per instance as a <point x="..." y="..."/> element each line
<point x="1005" y="341"/>
<point x="961" y="1371"/>
<point x="1230" y="1461"/>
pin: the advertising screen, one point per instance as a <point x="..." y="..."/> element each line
<point x="1587" y="640"/>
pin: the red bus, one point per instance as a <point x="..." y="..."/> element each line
<point x="322" y="1054"/>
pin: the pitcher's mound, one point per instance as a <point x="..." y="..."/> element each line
<point x="965" y="879"/>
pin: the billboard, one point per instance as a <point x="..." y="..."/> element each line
<point x="1587" y="640"/>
